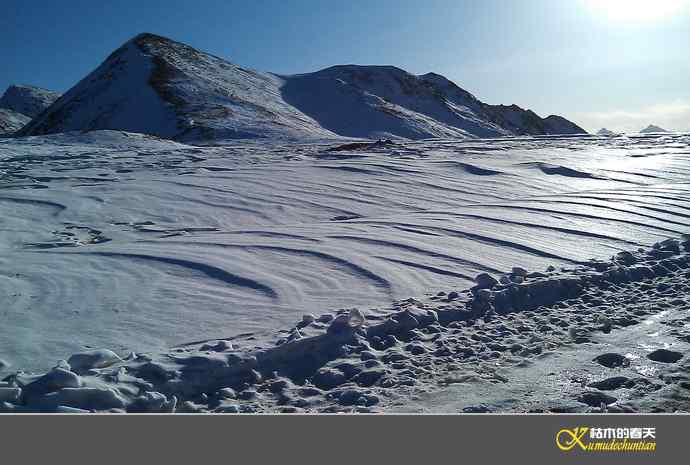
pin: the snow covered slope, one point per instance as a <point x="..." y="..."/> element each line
<point x="158" y="86"/>
<point x="375" y="101"/>
<point x="11" y="121"/>
<point x="27" y="100"/>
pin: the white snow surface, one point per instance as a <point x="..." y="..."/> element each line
<point x="157" y="86"/>
<point x="130" y="242"/>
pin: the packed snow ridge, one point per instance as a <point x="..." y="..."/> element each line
<point x="354" y="361"/>
<point x="157" y="86"/>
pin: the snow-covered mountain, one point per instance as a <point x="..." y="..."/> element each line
<point x="652" y="129"/>
<point x="378" y="101"/>
<point x="554" y="124"/>
<point x="11" y="121"/>
<point x="605" y="132"/>
<point x="519" y="121"/>
<point x="20" y="103"/>
<point x="158" y="86"/>
<point x="27" y="100"/>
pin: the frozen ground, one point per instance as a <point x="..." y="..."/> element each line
<point x="133" y="243"/>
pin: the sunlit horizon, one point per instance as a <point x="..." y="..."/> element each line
<point x="626" y="11"/>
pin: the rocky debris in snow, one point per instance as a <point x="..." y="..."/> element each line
<point x="10" y="394"/>
<point x="151" y="402"/>
<point x="55" y="380"/>
<point x="84" y="398"/>
<point x="485" y="281"/>
<point x="84" y="361"/>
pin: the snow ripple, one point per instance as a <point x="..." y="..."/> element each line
<point x="142" y="243"/>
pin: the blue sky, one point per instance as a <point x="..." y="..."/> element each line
<point x="616" y="63"/>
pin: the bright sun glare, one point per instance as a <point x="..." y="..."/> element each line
<point x="638" y="10"/>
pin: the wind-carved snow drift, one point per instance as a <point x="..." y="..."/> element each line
<point x="157" y="86"/>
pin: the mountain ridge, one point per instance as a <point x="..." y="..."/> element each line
<point x="27" y="100"/>
<point x="20" y="103"/>
<point x="158" y="86"/>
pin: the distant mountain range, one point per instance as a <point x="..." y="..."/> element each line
<point x="606" y="132"/>
<point x="652" y="129"/>
<point x="20" y="103"/>
<point x="157" y="86"/>
<point x="648" y="130"/>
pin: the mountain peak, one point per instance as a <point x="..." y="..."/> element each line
<point x="27" y="100"/>
<point x="605" y="132"/>
<point x="652" y="128"/>
<point x="155" y="85"/>
<point x="149" y="36"/>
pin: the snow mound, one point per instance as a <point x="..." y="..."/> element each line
<point x="558" y="170"/>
